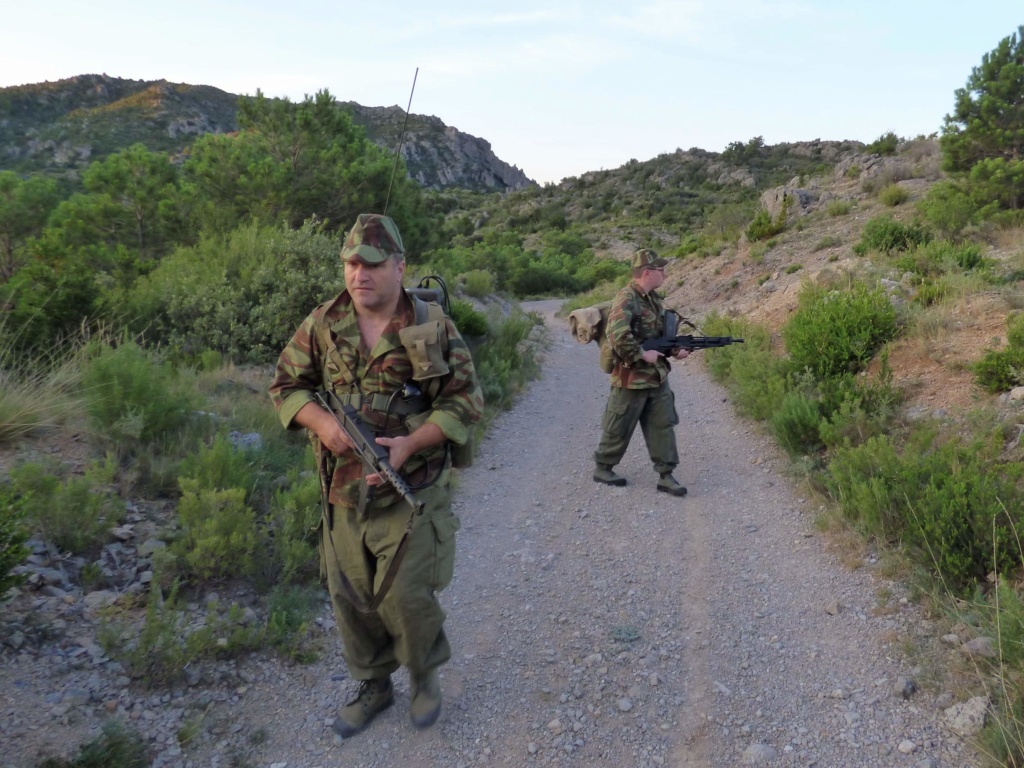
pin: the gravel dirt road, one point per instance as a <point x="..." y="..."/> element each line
<point x="598" y="626"/>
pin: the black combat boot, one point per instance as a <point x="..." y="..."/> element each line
<point x="373" y="697"/>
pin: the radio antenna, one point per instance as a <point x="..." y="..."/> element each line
<point x="401" y="140"/>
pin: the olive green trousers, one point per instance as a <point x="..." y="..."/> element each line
<point x="655" y="411"/>
<point x="408" y="627"/>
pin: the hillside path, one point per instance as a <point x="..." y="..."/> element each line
<point x="596" y="626"/>
<point x="591" y="626"/>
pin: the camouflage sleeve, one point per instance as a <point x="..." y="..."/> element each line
<point x="620" y="328"/>
<point x="298" y="374"/>
<point x="460" y="403"/>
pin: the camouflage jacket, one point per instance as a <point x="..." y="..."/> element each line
<point x="350" y="368"/>
<point x="633" y="317"/>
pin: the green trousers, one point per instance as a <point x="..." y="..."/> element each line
<point x="408" y="627"/>
<point x="655" y="411"/>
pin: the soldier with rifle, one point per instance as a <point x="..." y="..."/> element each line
<point x="640" y="392"/>
<point x="386" y="388"/>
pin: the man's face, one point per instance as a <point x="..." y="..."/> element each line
<point x="654" y="277"/>
<point x="374" y="287"/>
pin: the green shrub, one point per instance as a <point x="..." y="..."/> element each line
<point x="219" y="466"/>
<point x="829" y="241"/>
<point x="74" y="513"/>
<point x="295" y="510"/>
<point x="939" y="257"/>
<point x="478" y="283"/>
<point x="885" y="234"/>
<point x="506" y="362"/>
<point x="793" y="268"/>
<point x="13" y="535"/>
<point x="291" y="609"/>
<point x="134" y="399"/>
<point x="942" y="498"/>
<point x="763" y="227"/>
<point x="839" y="207"/>
<point x="948" y="209"/>
<point x="470" y="322"/>
<point x="114" y="747"/>
<point x="885" y="144"/>
<point x="219" y="532"/>
<point x="893" y="195"/>
<point x="795" y="424"/>
<point x="1000" y="370"/>
<point x="853" y="171"/>
<point x="836" y="332"/>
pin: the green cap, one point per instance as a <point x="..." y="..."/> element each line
<point x="645" y="257"/>
<point x="373" y="239"/>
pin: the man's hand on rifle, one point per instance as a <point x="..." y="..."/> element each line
<point x="681" y="354"/>
<point x="651" y="356"/>
<point x="331" y="435"/>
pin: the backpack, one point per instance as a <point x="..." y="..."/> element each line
<point x="589" y="324"/>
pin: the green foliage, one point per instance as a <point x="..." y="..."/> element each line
<point x="942" y="498"/>
<point x="793" y="268"/>
<point x="470" y="322"/>
<point x="219" y="532"/>
<point x="75" y="513"/>
<point x="295" y="511"/>
<point x="795" y="424"/>
<point x="114" y="747"/>
<point x="764" y="227"/>
<point x="507" y="361"/>
<point x="893" y="195"/>
<point x="885" y="144"/>
<point x="242" y="296"/>
<point x="478" y="283"/>
<point x="838" y="208"/>
<point x="835" y="332"/>
<point x="1001" y="370"/>
<point x="984" y="129"/>
<point x="13" y="535"/>
<point x="948" y="208"/>
<point x="829" y="241"/>
<point x="25" y="205"/>
<point x="885" y="234"/>
<point x="134" y="398"/>
<point x="939" y="257"/>
<point x="218" y="466"/>
<point x="291" y="608"/>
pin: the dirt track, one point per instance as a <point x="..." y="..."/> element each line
<point x="597" y="626"/>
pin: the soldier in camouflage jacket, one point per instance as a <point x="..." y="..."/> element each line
<point x="352" y="346"/>
<point x="639" y="381"/>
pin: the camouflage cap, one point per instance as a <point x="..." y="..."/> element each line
<point x="373" y="239"/>
<point x="645" y="257"/>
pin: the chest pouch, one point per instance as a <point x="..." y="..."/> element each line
<point x="423" y="346"/>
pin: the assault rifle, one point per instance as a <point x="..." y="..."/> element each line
<point x="670" y="342"/>
<point x="374" y="457"/>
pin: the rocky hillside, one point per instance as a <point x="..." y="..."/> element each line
<point x="61" y="127"/>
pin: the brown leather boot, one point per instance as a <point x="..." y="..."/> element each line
<point x="426" y="699"/>
<point x="373" y="697"/>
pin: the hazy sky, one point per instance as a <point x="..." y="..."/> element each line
<point x="558" y="87"/>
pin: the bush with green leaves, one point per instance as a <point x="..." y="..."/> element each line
<point x="295" y="511"/>
<point x="507" y="362"/>
<point x="835" y="332"/>
<point x="242" y="294"/>
<point x="114" y="747"/>
<point x="471" y="322"/>
<point x="13" y="535"/>
<point x="134" y="398"/>
<point x="940" y="257"/>
<point x="885" y="144"/>
<point x="839" y="207"/>
<point x="477" y="283"/>
<point x="885" y="234"/>
<point x="1000" y="370"/>
<point x="948" y="208"/>
<point x="764" y="227"/>
<point x="75" y="513"/>
<point x="795" y="424"/>
<point x="943" y="498"/>
<point x="893" y="195"/>
<point x="220" y="534"/>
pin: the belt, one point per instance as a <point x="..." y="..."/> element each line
<point x="398" y="406"/>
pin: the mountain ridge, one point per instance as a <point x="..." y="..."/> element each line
<point x="61" y="126"/>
